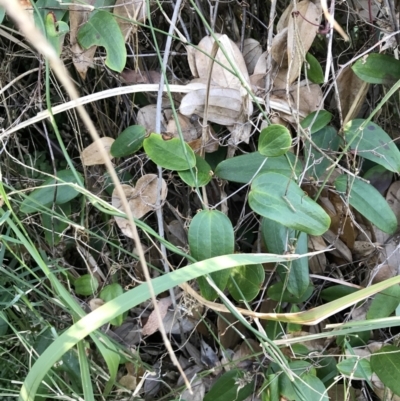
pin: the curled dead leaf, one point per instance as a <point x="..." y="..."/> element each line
<point x="91" y="155"/>
<point x="141" y="199"/>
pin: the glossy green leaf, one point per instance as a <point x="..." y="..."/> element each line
<point x="200" y="176"/>
<point x="211" y="234"/>
<point x="369" y="202"/>
<point x="244" y="167"/>
<point x="172" y="154"/>
<point x="129" y="141"/>
<point x="278" y="198"/>
<point x="326" y="139"/>
<point x="53" y="227"/>
<point x="316" y="120"/>
<point x="279" y="240"/>
<point x="277" y="292"/>
<point x="384" y="303"/>
<point x="108" y="293"/>
<point x="386" y="364"/>
<point x="354" y="366"/>
<point x="373" y="143"/>
<point x="249" y="279"/>
<point x="313" y="69"/>
<point x="44" y="196"/>
<point x="86" y="285"/>
<point x="275" y="140"/>
<point x="336" y="291"/>
<point x="227" y="387"/>
<point x="103" y="30"/>
<point x="377" y="68"/>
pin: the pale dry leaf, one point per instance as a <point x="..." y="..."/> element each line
<point x="152" y="324"/>
<point x="78" y="16"/>
<point x="221" y="75"/>
<point x="349" y="87"/>
<point x="252" y="51"/>
<point x="130" y="77"/>
<point x="174" y="326"/>
<point x="230" y="330"/>
<point x="278" y="47"/>
<point x="302" y="30"/>
<point x="189" y="131"/>
<point x="311" y="97"/>
<point x="191" y="55"/>
<point x="129" y="9"/>
<point x="141" y="199"/>
<point x="95" y="303"/>
<point x="199" y="390"/>
<point x="240" y="132"/>
<point x="261" y="64"/>
<point x="283" y="21"/>
<point x="92" y="156"/>
<point x="212" y="144"/>
<point x="224" y="105"/>
<point x="208" y="355"/>
<point x="383" y="273"/>
<point x="341" y="249"/>
<point x="147" y="117"/>
<point x="363" y="249"/>
<point x="381" y="390"/>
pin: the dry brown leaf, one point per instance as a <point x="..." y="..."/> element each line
<point x="302" y="30"/>
<point x="341" y="249"/>
<point x="383" y="272"/>
<point x="147" y="116"/>
<point x="191" y="54"/>
<point x="225" y="105"/>
<point x="130" y="9"/>
<point x="130" y="77"/>
<point x="199" y="390"/>
<point x="278" y="47"/>
<point x="221" y="75"/>
<point x="176" y="233"/>
<point x="251" y="52"/>
<point x="230" y="330"/>
<point x="92" y="156"/>
<point x="285" y="17"/>
<point x="79" y="15"/>
<point x="317" y="263"/>
<point x="152" y="324"/>
<point x="351" y="89"/>
<point x="189" y="131"/>
<point x="363" y="249"/>
<point x="141" y="199"/>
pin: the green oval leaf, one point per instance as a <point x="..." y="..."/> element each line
<point x="279" y="240"/>
<point x="336" y="291"/>
<point x="243" y="168"/>
<point x="356" y="367"/>
<point x="200" y="176"/>
<point x="108" y="293"/>
<point x="373" y="143"/>
<point x="103" y="30"/>
<point x="369" y="202"/>
<point x="169" y="154"/>
<point x="249" y="279"/>
<point x="316" y="120"/>
<point x="129" y="141"/>
<point x="86" y="285"/>
<point x="384" y="303"/>
<point x="45" y="196"/>
<point x="377" y="69"/>
<point x="275" y="140"/>
<point x="279" y="293"/>
<point x="386" y="364"/>
<point x="211" y="234"/>
<point x="280" y="199"/>
<point x="314" y="70"/>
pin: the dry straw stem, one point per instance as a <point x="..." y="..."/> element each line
<point x="25" y="24"/>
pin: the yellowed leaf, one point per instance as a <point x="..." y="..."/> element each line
<point x="91" y="155"/>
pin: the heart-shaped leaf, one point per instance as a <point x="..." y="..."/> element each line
<point x="369" y="202"/>
<point x="103" y="30"/>
<point x="278" y="198"/>
<point x="275" y="140"/>
<point x="172" y="154"/>
<point x="211" y="234"/>
<point x="373" y="143"/>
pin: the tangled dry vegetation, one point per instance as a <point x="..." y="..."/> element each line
<point x="258" y="111"/>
